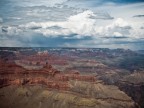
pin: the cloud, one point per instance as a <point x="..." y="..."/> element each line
<point x="82" y="24"/>
<point x="119" y="28"/>
<point x="77" y="26"/>
<point x="1" y="20"/>
<point x="107" y="43"/>
<point x="87" y="23"/>
<point x="141" y="27"/>
<point x="117" y="34"/>
<point x="103" y="2"/>
<point x="53" y="2"/>
<point x="102" y="15"/>
<point x="9" y="31"/>
<point x="11" y="43"/>
<point x="139" y="16"/>
<point x="49" y="3"/>
<point x="0" y="29"/>
<point x="137" y="33"/>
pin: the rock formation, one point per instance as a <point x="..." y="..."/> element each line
<point x="28" y="82"/>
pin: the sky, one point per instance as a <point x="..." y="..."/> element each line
<point x="72" y="23"/>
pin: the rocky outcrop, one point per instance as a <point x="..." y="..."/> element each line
<point x="133" y="85"/>
<point x="40" y="97"/>
<point x="12" y="74"/>
<point x="21" y="85"/>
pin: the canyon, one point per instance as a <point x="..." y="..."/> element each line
<point x="41" y="79"/>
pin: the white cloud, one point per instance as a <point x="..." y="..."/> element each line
<point x="118" y="28"/>
<point x="117" y="34"/>
<point x="53" y="2"/>
<point x="31" y="20"/>
<point x="48" y="3"/>
<point x="13" y="30"/>
<point x="119" y="23"/>
<point x="10" y="31"/>
<point x="137" y="33"/>
<point x="81" y="24"/>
